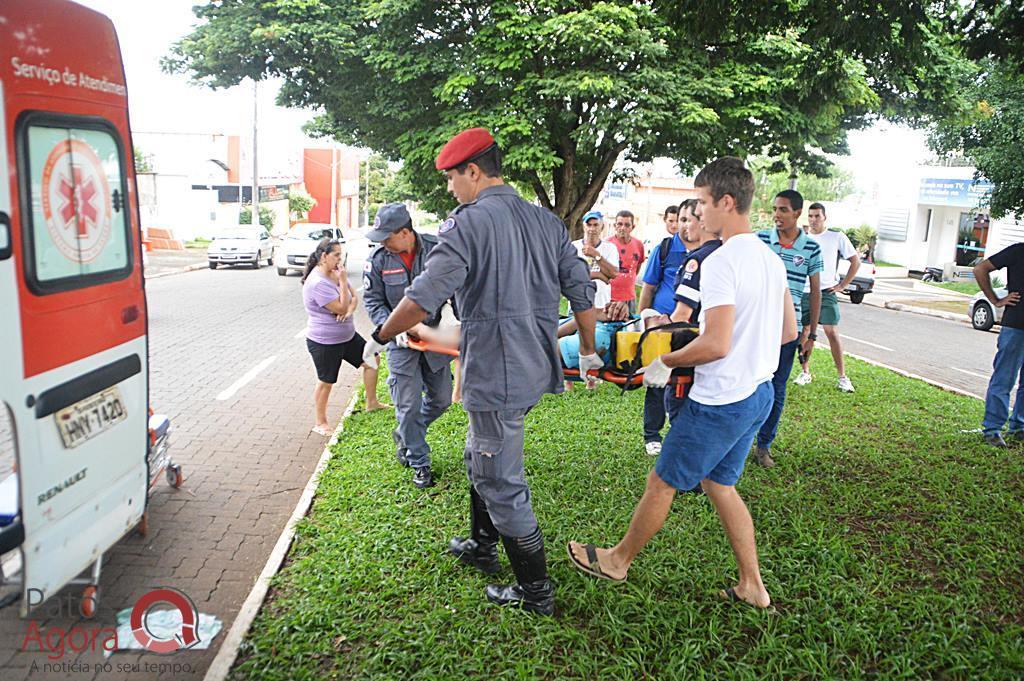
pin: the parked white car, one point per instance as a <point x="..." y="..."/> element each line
<point x="293" y="251"/>
<point x="984" y="315"/>
<point x="241" y="244"/>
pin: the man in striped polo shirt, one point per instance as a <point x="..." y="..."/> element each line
<point x="802" y="257"/>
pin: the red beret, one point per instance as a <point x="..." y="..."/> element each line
<point x="463" y="147"/>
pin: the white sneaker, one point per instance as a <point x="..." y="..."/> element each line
<point x="844" y="384"/>
<point x="803" y="379"/>
<point x="653" y="448"/>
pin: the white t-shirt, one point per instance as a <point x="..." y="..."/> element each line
<point x="834" y="245"/>
<point x="743" y="272"/>
<point x="610" y="253"/>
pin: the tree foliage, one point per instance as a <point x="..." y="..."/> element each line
<point x="568" y="88"/>
<point x="767" y="183"/>
<point x="989" y="130"/>
<point x="299" y="203"/>
<point x="267" y="216"/>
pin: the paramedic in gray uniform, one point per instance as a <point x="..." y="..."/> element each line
<point x="420" y="382"/>
<point x="507" y="262"/>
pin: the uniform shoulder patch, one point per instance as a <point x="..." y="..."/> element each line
<point x="692" y="265"/>
<point x="368" y="266"/>
<point x="446" y="226"/>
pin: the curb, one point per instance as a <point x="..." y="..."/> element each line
<point x="228" y="651"/>
<point x="187" y="268"/>
<point x="928" y="312"/>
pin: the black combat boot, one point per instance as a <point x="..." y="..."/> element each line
<point x="481" y="549"/>
<point x="423" y="478"/>
<point x="534" y="590"/>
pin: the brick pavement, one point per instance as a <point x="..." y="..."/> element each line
<point x="245" y="459"/>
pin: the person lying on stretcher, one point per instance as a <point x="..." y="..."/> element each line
<point x="609" y="321"/>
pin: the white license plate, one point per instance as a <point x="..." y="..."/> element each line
<point x="90" y="417"/>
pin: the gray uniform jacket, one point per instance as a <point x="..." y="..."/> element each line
<point x="385" y="279"/>
<point x="508" y="263"/>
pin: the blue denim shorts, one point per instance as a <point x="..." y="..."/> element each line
<point x="570" y="345"/>
<point x="712" y="441"/>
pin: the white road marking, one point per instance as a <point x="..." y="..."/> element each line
<point x="230" y="391"/>
<point x="858" y="340"/>
<point x="969" y="373"/>
<point x="301" y="333"/>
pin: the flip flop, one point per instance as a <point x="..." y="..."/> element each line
<point x="321" y="431"/>
<point x="593" y="567"/>
<point x="731" y="596"/>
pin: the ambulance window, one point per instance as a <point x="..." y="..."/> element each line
<point x="78" y="226"/>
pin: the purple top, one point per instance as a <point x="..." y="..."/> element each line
<point x="323" y="326"/>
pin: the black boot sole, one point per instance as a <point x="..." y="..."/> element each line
<point x="546" y="609"/>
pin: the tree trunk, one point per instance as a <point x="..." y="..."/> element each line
<point x="571" y="204"/>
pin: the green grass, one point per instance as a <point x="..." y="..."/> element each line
<point x="890" y="541"/>
<point x="882" y="263"/>
<point x="199" y="242"/>
<point x="968" y="287"/>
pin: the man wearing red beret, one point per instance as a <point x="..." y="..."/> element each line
<point x="507" y="262"/>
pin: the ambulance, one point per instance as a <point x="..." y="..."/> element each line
<point x="73" y="347"/>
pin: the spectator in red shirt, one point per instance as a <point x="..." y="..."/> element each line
<point x="631" y="257"/>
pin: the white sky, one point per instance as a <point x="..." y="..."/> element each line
<point x="168" y="103"/>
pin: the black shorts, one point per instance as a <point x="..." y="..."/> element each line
<point x="328" y="358"/>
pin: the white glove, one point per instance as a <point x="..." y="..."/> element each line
<point x="402" y="340"/>
<point x="648" y="312"/>
<point x="589" y="363"/>
<point x="656" y="374"/>
<point x="370" y="352"/>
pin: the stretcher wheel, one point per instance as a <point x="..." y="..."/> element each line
<point x="174" y="477"/>
<point x="90" y="596"/>
<point x="143" y="525"/>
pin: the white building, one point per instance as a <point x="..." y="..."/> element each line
<point x="936" y="216"/>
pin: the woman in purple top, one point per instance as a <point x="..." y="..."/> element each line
<point x="331" y="333"/>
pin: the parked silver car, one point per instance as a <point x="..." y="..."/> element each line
<point x="241" y="245"/>
<point x="984" y="314"/>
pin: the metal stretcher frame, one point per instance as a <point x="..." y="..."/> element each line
<point x="604" y="374"/>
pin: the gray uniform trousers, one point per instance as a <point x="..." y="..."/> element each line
<point x="494" y="464"/>
<point x="420" y="396"/>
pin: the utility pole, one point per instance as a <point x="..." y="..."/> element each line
<point x="334" y="187"/>
<point x="366" y="197"/>
<point x="792" y="178"/>
<point x="255" y="170"/>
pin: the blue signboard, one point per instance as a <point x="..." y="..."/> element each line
<point x="945" y="192"/>
<point x="615" y="190"/>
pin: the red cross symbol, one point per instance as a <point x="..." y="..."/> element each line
<point x="78" y="203"/>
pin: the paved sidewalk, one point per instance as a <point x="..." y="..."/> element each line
<point x="161" y="263"/>
<point x="246" y="460"/>
<point x="912" y="295"/>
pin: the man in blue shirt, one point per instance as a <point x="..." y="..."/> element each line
<point x="802" y="257"/>
<point x="658" y="294"/>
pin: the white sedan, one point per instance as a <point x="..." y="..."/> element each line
<point x="293" y="251"/>
<point x="241" y="244"/>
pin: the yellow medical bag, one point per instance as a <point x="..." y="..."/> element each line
<point x="656" y="344"/>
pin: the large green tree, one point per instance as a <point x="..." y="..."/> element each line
<point x="569" y="88"/>
<point x="987" y="126"/>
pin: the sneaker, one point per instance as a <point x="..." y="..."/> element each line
<point x="845" y="384"/>
<point x="764" y="457"/>
<point x="424" y="478"/>
<point x="803" y="379"/>
<point x="653" y="448"/>
<point x="996" y="440"/>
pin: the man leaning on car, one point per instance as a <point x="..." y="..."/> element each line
<point x="1009" y="348"/>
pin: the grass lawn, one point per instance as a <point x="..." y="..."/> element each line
<point x="891" y="543"/>
<point x="968" y="287"/>
<point x="882" y="263"/>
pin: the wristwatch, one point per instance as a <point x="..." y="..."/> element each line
<point x="598" y="258"/>
<point x="376" y="335"/>
<point x="812" y="336"/>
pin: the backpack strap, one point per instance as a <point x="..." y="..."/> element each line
<point x="664" y="248"/>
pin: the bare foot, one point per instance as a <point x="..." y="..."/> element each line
<point x="457" y="397"/>
<point x="607" y="565"/>
<point x="376" y="406"/>
<point x="322" y="429"/>
<point x="758" y="598"/>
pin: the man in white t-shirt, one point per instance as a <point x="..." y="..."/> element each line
<point x="834" y="245"/>
<point x="745" y="303"/>
<point x="602" y="257"/>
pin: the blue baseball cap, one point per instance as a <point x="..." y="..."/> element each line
<point x="593" y="214"/>
<point x="390" y="218"/>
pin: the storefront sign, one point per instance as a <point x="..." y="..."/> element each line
<point x="946" y="192"/>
